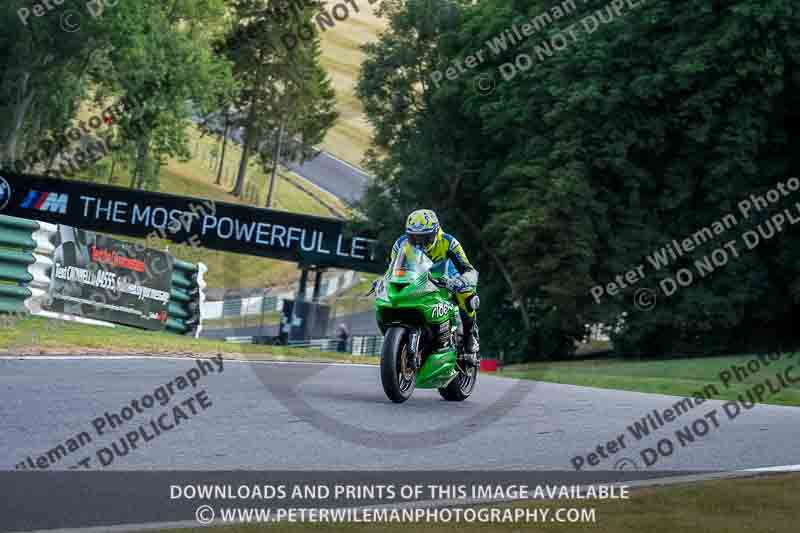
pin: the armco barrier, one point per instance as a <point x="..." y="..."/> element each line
<point x="16" y="255"/>
<point x="26" y="250"/>
<point x="186" y="298"/>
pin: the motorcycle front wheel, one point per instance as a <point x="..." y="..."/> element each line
<point x="398" y="376"/>
<point x="461" y="386"/>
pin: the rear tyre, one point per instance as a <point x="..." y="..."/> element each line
<point x="461" y="386"/>
<point x="398" y="376"/>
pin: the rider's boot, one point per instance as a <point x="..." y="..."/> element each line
<point x="471" y="345"/>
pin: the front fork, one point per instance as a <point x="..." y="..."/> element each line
<point x="413" y="348"/>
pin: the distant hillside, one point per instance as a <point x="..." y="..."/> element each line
<point x="342" y="59"/>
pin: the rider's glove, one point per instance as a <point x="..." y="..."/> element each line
<point x="456" y="284"/>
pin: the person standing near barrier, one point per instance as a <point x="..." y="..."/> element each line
<point x="342" y="335"/>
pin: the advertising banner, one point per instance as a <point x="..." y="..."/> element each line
<point x="304" y="239"/>
<point x="98" y="277"/>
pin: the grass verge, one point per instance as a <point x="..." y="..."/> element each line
<point x="679" y="377"/>
<point x="32" y="335"/>
<point x="342" y="56"/>
<point x="767" y="504"/>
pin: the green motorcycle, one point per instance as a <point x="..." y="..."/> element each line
<point x="422" y="330"/>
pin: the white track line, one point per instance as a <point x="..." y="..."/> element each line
<point x="168" y="358"/>
<point x="665" y="481"/>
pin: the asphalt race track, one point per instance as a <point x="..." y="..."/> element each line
<point x="231" y="423"/>
<point x="334" y="175"/>
<point x="266" y="416"/>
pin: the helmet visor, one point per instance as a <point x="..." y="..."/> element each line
<point x="422" y="240"/>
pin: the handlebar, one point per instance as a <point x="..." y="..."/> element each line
<point x="438" y="281"/>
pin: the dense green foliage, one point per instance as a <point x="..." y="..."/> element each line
<point x="572" y="172"/>
<point x="161" y="65"/>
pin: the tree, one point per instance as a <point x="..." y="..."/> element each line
<point x="281" y="88"/>
<point x="159" y="75"/>
<point x="43" y="74"/>
<point x="428" y="150"/>
<point x="643" y="130"/>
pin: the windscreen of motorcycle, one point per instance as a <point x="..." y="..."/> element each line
<point x="409" y="263"/>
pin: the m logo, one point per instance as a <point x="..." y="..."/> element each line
<point x="5" y="193"/>
<point x="51" y="202"/>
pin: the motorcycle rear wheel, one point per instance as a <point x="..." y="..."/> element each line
<point x="398" y="376"/>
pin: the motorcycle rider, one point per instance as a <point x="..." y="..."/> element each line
<point x="424" y="232"/>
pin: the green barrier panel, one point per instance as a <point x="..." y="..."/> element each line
<point x="179" y="295"/>
<point x="177" y="326"/>
<point x="176" y="311"/>
<point x="19" y="274"/>
<point x="183" y="305"/>
<point x="15" y="291"/>
<point x="17" y="232"/>
<point x="16" y="239"/>
<point x="11" y="306"/>
<point x="183" y="265"/>
<point x="179" y="280"/>
<point x="20" y="223"/>
<point x="22" y="258"/>
<point x="12" y="299"/>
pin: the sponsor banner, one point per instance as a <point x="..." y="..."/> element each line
<point x="303" y="239"/>
<point x="99" y="277"/>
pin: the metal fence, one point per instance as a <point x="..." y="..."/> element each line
<point x="367" y="345"/>
<point x="370" y="345"/>
<point x="250" y="308"/>
<point x="231" y="308"/>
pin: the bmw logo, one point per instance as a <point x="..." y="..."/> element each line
<point x="5" y="193"/>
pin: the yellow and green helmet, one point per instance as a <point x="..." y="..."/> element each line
<point x="422" y="229"/>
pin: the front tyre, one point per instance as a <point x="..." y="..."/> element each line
<point x="398" y="376"/>
<point x="461" y="386"/>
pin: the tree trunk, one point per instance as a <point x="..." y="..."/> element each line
<point x="275" y="162"/>
<point x="156" y="183"/>
<point x="137" y="180"/>
<point x="113" y="167"/>
<point x="52" y="160"/>
<point x="32" y="140"/>
<point x="249" y="136"/>
<point x="224" y="148"/>
<point x="20" y="111"/>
